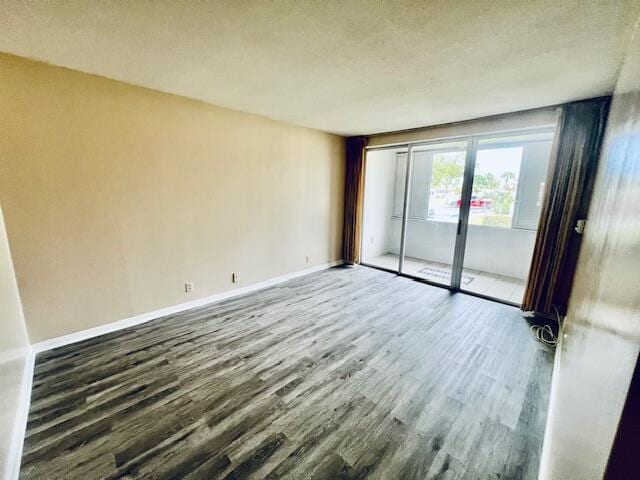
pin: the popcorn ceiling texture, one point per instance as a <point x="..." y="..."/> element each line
<point x="347" y="67"/>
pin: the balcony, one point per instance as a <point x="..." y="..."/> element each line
<point x="502" y="287"/>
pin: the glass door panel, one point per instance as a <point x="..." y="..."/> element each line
<point x="384" y="186"/>
<point x="508" y="187"/>
<point x="437" y="172"/>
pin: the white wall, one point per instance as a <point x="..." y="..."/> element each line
<point x="14" y="349"/>
<point x="503" y="251"/>
<point x="13" y="339"/>
<point x="497" y="250"/>
<point x="378" y="203"/>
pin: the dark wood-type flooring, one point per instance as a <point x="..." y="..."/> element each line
<point x="342" y="374"/>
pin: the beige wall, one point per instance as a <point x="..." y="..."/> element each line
<point x="599" y="352"/>
<point x="115" y="196"/>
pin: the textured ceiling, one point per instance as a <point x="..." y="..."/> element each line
<point x="343" y="66"/>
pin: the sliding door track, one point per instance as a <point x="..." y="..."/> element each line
<point x="439" y="285"/>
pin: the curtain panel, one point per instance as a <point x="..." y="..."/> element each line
<point x="569" y="184"/>
<point x="353" y="199"/>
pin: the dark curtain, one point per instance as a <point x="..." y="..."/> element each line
<point x="353" y="199"/>
<point x="569" y="185"/>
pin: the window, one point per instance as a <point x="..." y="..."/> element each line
<point x="495" y="184"/>
<point x="509" y="179"/>
<point x="436" y="182"/>
<point x="445" y="187"/>
<point x="508" y="183"/>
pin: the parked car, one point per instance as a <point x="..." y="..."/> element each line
<point x="478" y="202"/>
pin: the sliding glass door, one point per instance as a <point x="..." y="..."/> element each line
<point x="437" y="173"/>
<point x="458" y="213"/>
<point x="508" y="188"/>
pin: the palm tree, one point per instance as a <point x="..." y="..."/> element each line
<point x="509" y="180"/>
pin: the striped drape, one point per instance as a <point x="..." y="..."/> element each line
<point x="569" y="185"/>
<point x="353" y="199"/>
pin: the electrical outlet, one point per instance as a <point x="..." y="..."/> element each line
<point x="235" y="278"/>
<point x="306" y="259"/>
<point x="188" y="287"/>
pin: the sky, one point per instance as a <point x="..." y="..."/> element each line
<point x="498" y="161"/>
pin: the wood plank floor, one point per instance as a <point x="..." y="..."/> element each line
<point x="342" y="374"/>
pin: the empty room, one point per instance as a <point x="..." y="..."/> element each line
<point x="299" y="239"/>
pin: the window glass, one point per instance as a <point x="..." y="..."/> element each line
<point x="445" y="186"/>
<point x="436" y="182"/>
<point x="495" y="184"/>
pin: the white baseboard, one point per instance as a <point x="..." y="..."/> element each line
<point x="547" y="447"/>
<point x="14" y="457"/>
<point x="145" y="317"/>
